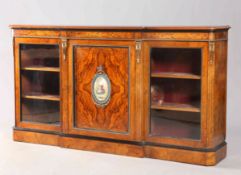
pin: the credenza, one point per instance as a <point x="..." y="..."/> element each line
<point x="157" y="92"/>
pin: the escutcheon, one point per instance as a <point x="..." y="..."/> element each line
<point x="101" y="88"/>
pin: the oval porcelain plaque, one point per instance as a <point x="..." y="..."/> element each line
<point x="101" y="89"/>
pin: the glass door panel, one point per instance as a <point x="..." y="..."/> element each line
<point x="175" y="93"/>
<point x="40" y="83"/>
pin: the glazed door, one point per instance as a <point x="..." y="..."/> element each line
<point x="38" y="86"/>
<point x="102" y="88"/>
<point x="175" y="93"/>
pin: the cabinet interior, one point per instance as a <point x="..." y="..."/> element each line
<point x="175" y="92"/>
<point x="40" y="83"/>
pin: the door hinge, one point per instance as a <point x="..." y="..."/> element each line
<point x="64" y="47"/>
<point x="138" y="51"/>
<point x="211" y="52"/>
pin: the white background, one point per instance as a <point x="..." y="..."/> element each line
<point x="21" y="158"/>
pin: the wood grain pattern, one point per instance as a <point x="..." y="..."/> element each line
<point x="122" y="127"/>
<point x="36" y="33"/>
<point x="113" y="117"/>
<point x="186" y="156"/>
<point x="175" y="36"/>
<point x="221" y="35"/>
<point x="132" y="120"/>
<point x="102" y="146"/>
<point x="102" y="34"/>
<point x="34" y="137"/>
<point x="173" y="154"/>
<point x="200" y="33"/>
<point x="77" y="34"/>
<point x="218" y="76"/>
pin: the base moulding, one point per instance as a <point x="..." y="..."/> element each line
<point x="128" y="149"/>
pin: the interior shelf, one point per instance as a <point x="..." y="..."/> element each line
<point x="41" y="68"/>
<point x="176" y="107"/>
<point x="175" y="75"/>
<point x="39" y="96"/>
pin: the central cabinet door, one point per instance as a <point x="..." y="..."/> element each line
<point x="102" y="91"/>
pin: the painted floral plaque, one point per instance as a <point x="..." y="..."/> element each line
<point x="101" y="88"/>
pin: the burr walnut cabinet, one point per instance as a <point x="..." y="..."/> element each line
<point x="157" y="92"/>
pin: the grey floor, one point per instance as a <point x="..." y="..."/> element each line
<point x="32" y="159"/>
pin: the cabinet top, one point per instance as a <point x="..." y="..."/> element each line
<point x="123" y="28"/>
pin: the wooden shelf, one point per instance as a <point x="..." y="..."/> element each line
<point x="42" y="97"/>
<point x="176" y="107"/>
<point x="39" y="68"/>
<point x="175" y="75"/>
